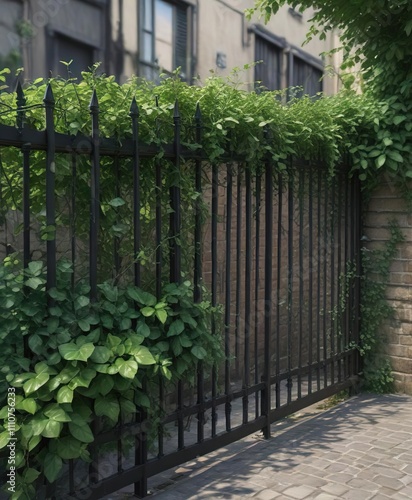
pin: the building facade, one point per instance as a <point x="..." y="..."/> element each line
<point x="147" y="37"/>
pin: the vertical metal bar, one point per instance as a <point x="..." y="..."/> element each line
<point x="248" y="294"/>
<point x="198" y="212"/>
<point x="140" y="488"/>
<point x="340" y="288"/>
<point x="278" y="285"/>
<point x="73" y="218"/>
<point x="160" y="432"/>
<point x="266" y="394"/>
<point x="120" y="451"/>
<point x="21" y="102"/>
<point x="197" y="293"/>
<point x="159" y="253"/>
<point x="50" y="182"/>
<point x="257" y="277"/>
<point x="175" y="215"/>
<point x="71" y="477"/>
<point x="116" y="245"/>
<point x="325" y="283"/>
<point x="215" y="194"/>
<point x="229" y="202"/>
<point x="332" y="280"/>
<point x="290" y="277"/>
<point x="175" y="251"/>
<point x="301" y="280"/>
<point x="310" y="297"/>
<point x="95" y="195"/>
<point x="94" y="235"/>
<point x="134" y="115"/>
<point x="319" y="259"/>
<point x="346" y="280"/>
<point x="238" y="268"/>
<point x="358" y="269"/>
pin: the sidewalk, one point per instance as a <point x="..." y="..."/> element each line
<point x="358" y="450"/>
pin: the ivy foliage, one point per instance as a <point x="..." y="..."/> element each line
<point x="375" y="309"/>
<point x="84" y="360"/>
<point x="375" y="133"/>
<point x="376" y="36"/>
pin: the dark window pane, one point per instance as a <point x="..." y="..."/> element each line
<point x="68" y="49"/>
<point x="181" y="40"/>
<point x="307" y="76"/>
<point x="268" y="71"/>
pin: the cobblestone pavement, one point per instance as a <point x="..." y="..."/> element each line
<point x="358" y="450"/>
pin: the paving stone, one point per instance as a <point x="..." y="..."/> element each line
<point x="335" y="489"/>
<point x="299" y="492"/>
<point x="267" y="495"/>
<point x="389" y="482"/>
<point x="324" y="496"/>
<point x="359" y="450"/>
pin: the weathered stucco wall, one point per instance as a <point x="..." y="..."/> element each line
<point x="387" y="204"/>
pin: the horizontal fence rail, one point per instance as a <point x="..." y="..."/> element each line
<point x="278" y="251"/>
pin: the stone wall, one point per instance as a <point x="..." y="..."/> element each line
<point x="386" y="205"/>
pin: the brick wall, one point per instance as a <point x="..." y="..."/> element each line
<point x="386" y="205"/>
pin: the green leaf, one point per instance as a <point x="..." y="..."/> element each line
<point x="148" y="311"/>
<point x="103" y="384"/>
<point x="176" y="346"/>
<point x="176" y="328"/>
<point x="35" y="267"/>
<point x="185" y="341"/>
<point x="101" y="354"/>
<point x="52" y="429"/>
<point x="83" y="379"/>
<point x="69" y="447"/>
<point x="395" y="156"/>
<point x="143" y="356"/>
<point x="71" y="351"/>
<point x="198" y="352"/>
<point x="55" y="412"/>
<point x="142" y="400"/>
<point x="4" y="439"/>
<point x="33" y="442"/>
<point x="28" y="404"/>
<point x="380" y="160"/>
<point x="52" y="465"/>
<point x="117" y="202"/>
<point x="65" y="395"/>
<point x="140" y="296"/>
<point x="161" y="315"/>
<point x="81" y="431"/>
<point x="143" y="329"/>
<point x="35" y="343"/>
<point x="84" y="325"/>
<point x="34" y="283"/>
<point x="35" y="383"/>
<point x="399" y="119"/>
<point x="30" y="475"/>
<point x="107" y="406"/>
<point x="125" y="324"/>
<point x="127" y="369"/>
<point x="81" y="301"/>
<point x="110" y="292"/>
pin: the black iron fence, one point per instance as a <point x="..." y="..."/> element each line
<point x="278" y="249"/>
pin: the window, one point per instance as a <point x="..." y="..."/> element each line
<point x="268" y="71"/>
<point x="164" y="38"/>
<point x="305" y="73"/>
<point x="67" y="49"/>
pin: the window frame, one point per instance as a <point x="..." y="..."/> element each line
<point x="143" y="30"/>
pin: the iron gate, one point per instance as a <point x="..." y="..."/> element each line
<point x="279" y="250"/>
